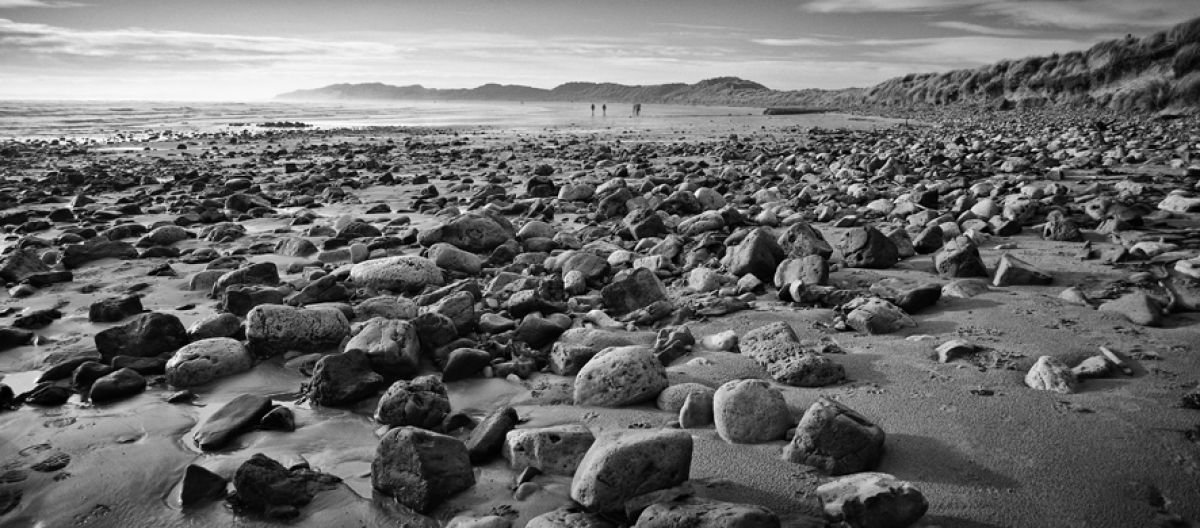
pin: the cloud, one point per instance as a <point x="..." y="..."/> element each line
<point x="1067" y="14"/>
<point x="976" y="28"/>
<point x="6" y="4"/>
<point x="789" y="42"/>
<point x="886" y="6"/>
<point x="965" y="51"/>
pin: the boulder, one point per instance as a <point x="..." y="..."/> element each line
<point x="200" y="486"/>
<point x="391" y="346"/>
<point x="556" y="449"/>
<point x="811" y="269"/>
<point x="487" y="439"/>
<point x="873" y="315"/>
<point x="20" y="264"/>
<point x="621" y="466"/>
<point x="620" y="376"/>
<point x="257" y="274"/>
<point x="569" y="517"/>
<point x="872" y="500"/>
<point x="265" y="487"/>
<point x="420" y="468"/>
<point x="749" y="411"/>
<point x="758" y="254"/>
<point x="114" y="309"/>
<point x="781" y="353"/>
<point x="801" y="240"/>
<point x="421" y="402"/>
<point x="637" y="289"/>
<point x="1138" y="307"/>
<point x="472" y="232"/>
<point x="1014" y="271"/>
<point x="76" y="255"/>
<point x="909" y="295"/>
<point x="694" y="512"/>
<point x="407" y="274"/>
<point x="206" y="360"/>
<point x="866" y="247"/>
<point x="343" y="379"/>
<point x="1050" y="374"/>
<point x="120" y="384"/>
<point x="232" y="419"/>
<point x="835" y="439"/>
<point x="148" y="334"/>
<point x="959" y="258"/>
<point x="451" y="258"/>
<point x="274" y="328"/>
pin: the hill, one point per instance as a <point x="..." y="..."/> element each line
<point x="1160" y="70"/>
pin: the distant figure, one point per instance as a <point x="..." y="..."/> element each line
<point x="604" y="110"/>
<point x="593" y="109"/>
<point x="637" y="109"/>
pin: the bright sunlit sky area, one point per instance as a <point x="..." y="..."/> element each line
<point x="255" y="49"/>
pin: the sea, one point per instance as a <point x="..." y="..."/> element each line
<point x="134" y="120"/>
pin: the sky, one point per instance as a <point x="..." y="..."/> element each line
<point x="245" y="50"/>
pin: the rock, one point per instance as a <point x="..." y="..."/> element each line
<point x="118" y="385"/>
<point x="76" y="255"/>
<point x="487" y="439"/>
<point x="239" y="299"/>
<point x="620" y="376"/>
<point x="279" y="418"/>
<point x="421" y="402"/>
<point x="406" y="274"/>
<point x="463" y="363"/>
<point x="959" y="258"/>
<point x="699" y="513"/>
<point x="569" y="517"/>
<point x="873" y="315"/>
<point x="490" y="521"/>
<point x="835" y="439"/>
<point x="420" y="468"/>
<point x="114" y="309"/>
<point x="621" y="466"/>
<point x="257" y="274"/>
<point x="206" y="360"/>
<point x="234" y="418"/>
<point x="472" y="232"/>
<point x="872" y="500"/>
<point x="325" y="289"/>
<point x="87" y="373"/>
<point x="264" y="486"/>
<point x="46" y="394"/>
<point x="460" y="308"/>
<point x="749" y="411"/>
<point x="274" y="328"/>
<point x="391" y="347"/>
<point x="20" y="264"/>
<point x="673" y="398"/>
<point x="639" y="289"/>
<point x="216" y="325"/>
<point x="801" y="240"/>
<point x="557" y="449"/>
<point x="1138" y="307"/>
<point x="866" y="247"/>
<point x="451" y="258"/>
<point x="1093" y="367"/>
<point x="148" y="334"/>
<point x="200" y="486"/>
<point x="812" y="269"/>
<point x="778" y="350"/>
<point x="1177" y="202"/>
<point x="1061" y="229"/>
<point x="1051" y="374"/>
<point x="672" y="343"/>
<point x="387" y="307"/>
<point x="758" y="254"/>
<point x="965" y="288"/>
<point x="929" y="240"/>
<point x="912" y="296"/>
<point x="343" y="379"/>
<point x="1014" y="271"/>
<point x="14" y="337"/>
<point x="953" y="349"/>
<point x="295" y="247"/>
<point x="697" y="411"/>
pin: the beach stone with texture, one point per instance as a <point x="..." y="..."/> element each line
<point x="390" y="345"/>
<point x="275" y="328"/>
<point x="343" y="379"/>
<point x="421" y="402"/>
<point x="556" y="449"/>
<point x="620" y="466"/>
<point x="835" y="439"/>
<point x="234" y="418"/>
<point x="1050" y="374"/>
<point x="695" y="512"/>
<point x="420" y="468"/>
<point x="148" y="334"/>
<point x="405" y="273"/>
<point x="206" y="360"/>
<point x="620" y="376"/>
<point x="872" y="500"/>
<point x="749" y="411"/>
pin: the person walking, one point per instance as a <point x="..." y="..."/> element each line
<point x="593" y="109"/>
<point x="604" y="110"/>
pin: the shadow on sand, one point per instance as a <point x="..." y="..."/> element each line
<point x="926" y="459"/>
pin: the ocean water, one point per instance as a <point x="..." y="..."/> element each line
<point x="105" y="120"/>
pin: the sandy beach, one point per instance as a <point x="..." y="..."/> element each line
<point x="983" y="448"/>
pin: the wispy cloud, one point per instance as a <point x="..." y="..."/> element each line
<point x="5" y="4"/>
<point x="798" y="42"/>
<point x="1068" y="14"/>
<point x="977" y="28"/>
<point x="969" y="50"/>
<point x="886" y="6"/>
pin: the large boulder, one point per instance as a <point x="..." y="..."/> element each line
<point x="866" y="247"/>
<point x="835" y="439"/>
<point x="420" y="468"/>
<point x="206" y="360"/>
<point x="487" y="438"/>
<point x="1012" y="271"/>
<point x="872" y="500"/>
<point x="569" y="517"/>
<point x="637" y="289"/>
<point x="1138" y="307"/>
<point x="257" y="274"/>
<point x="758" y="254"/>
<point x="239" y="415"/>
<point x="20" y="264"/>
<point x="148" y="334"/>
<point x="391" y="346"/>
<point x="421" y="402"/>
<point x="117" y="385"/>
<point x="959" y="258"/>
<point x="76" y="255"/>
<point x="451" y="258"/>
<point x="406" y="273"/>
<point x="801" y="240"/>
<point x="694" y="512"/>
<point x="1050" y="374"/>
<point x="621" y="466"/>
<point x="788" y="360"/>
<point x="873" y="315"/>
<point x="472" y="232"/>
<point x="263" y="486"/>
<point x="343" y="379"/>
<point x="620" y="376"/>
<point x="749" y="411"/>
<point x="556" y="449"/>
<point x="275" y="328"/>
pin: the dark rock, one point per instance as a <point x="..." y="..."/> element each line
<point x="114" y="309"/>
<point x="46" y="394"/>
<point x="487" y="438"/>
<point x="121" y="384"/>
<point x="758" y="254"/>
<point x="14" y="337"/>
<point x="200" y="486"/>
<point x="420" y="468"/>
<point x="421" y="402"/>
<point x="801" y="240"/>
<point x="673" y="343"/>
<point x="264" y="486"/>
<point x="278" y="419"/>
<point x="619" y="467"/>
<point x="87" y="373"/>
<point x="76" y="255"/>
<point x="20" y="264"/>
<point x="391" y="345"/>
<point x="465" y="362"/>
<point x="637" y="289"/>
<point x="1014" y="271"/>
<point x="273" y="329"/>
<point x="343" y="379"/>
<point x="148" y="334"/>
<point x="959" y="258"/>
<point x="239" y="415"/>
<point x="835" y="439"/>
<point x="872" y="500"/>
<point x="37" y="318"/>
<point x="699" y="513"/>
<point x="866" y="247"/>
<point x="146" y="366"/>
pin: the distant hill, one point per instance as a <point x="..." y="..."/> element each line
<point x="1157" y="71"/>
